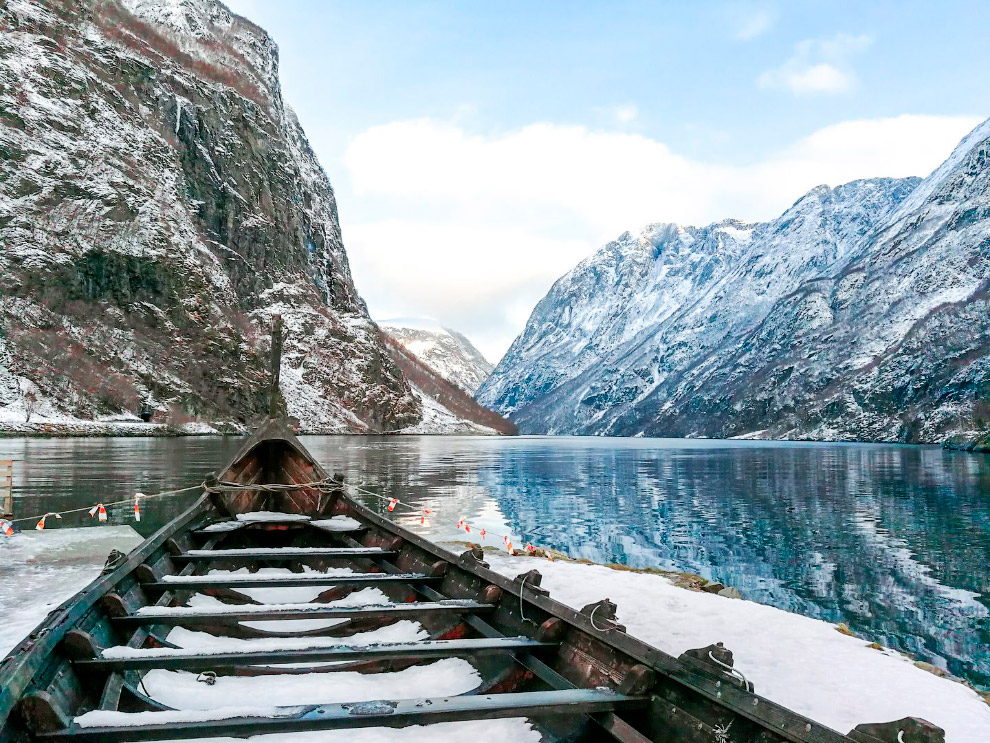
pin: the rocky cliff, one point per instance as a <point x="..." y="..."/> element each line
<point x="860" y="313"/>
<point x="159" y="202"/>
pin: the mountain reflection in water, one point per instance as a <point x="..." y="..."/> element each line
<point x="892" y="540"/>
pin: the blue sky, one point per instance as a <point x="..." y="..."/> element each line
<point x="479" y="150"/>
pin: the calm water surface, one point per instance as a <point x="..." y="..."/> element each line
<point x="892" y="540"/>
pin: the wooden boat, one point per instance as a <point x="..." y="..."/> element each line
<point x="576" y="675"/>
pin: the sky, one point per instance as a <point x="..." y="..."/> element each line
<point x="479" y="151"/>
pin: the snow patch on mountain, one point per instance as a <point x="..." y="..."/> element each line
<point x="446" y="351"/>
<point x="439" y="420"/>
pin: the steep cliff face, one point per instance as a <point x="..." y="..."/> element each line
<point x="158" y="204"/>
<point x="861" y="313"/>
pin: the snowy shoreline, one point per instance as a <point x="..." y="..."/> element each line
<point x="137" y="429"/>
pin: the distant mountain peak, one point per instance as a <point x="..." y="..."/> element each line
<point x="862" y="312"/>
<point x="449" y="353"/>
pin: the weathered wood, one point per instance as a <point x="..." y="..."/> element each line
<point x="79" y="645"/>
<point x="42" y="714"/>
<point x="784" y="724"/>
<point x="182" y="615"/>
<point x="529" y="664"/>
<point x="169" y="583"/>
<point x="6" y="487"/>
<point x="601" y="615"/>
<point x="275" y="403"/>
<point x="110" y="699"/>
<point x="428" y="649"/>
<point x="717" y="660"/>
<point x="382" y="713"/>
<point x="551" y="630"/>
<point x="275" y="554"/>
<point x="906" y="730"/>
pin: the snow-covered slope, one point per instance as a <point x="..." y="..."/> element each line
<point x="158" y="204"/>
<point x="447" y="408"/>
<point x="860" y="313"/>
<point x="446" y="351"/>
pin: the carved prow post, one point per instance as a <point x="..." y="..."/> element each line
<point x="275" y="404"/>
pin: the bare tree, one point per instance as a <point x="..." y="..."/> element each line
<point x="30" y="405"/>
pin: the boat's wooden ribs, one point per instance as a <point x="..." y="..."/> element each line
<point x="283" y="554"/>
<point x="609" y="723"/>
<point x="394" y="714"/>
<point x="200" y="582"/>
<point x="182" y="615"/>
<point x="426" y="650"/>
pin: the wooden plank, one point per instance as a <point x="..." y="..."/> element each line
<point x="287" y="554"/>
<point x="188" y="661"/>
<point x="618" y="728"/>
<point x="384" y="713"/>
<point x="110" y="698"/>
<point x="182" y="615"/>
<point x="6" y="487"/>
<point x="200" y="582"/>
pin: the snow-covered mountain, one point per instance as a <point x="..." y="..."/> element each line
<point x="447" y="407"/>
<point x="446" y="351"/>
<point x="158" y="204"/>
<point x="860" y="313"/>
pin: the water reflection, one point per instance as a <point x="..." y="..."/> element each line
<point x="894" y="541"/>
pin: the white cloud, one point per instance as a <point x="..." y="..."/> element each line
<point x="818" y="66"/>
<point x="751" y="22"/>
<point x="481" y="225"/>
<point x="627" y="113"/>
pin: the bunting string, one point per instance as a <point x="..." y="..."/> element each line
<point x="100" y="510"/>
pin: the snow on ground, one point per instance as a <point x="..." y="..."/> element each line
<point x="801" y="663"/>
<point x="41" y="569"/>
<point x="438" y="420"/>
<point x="198" y="429"/>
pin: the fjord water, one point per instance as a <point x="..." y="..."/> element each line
<point x="892" y="540"/>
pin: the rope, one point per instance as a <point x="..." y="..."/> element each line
<point x="106" y="505"/>
<point x="217" y="488"/>
<point x="226" y="487"/>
